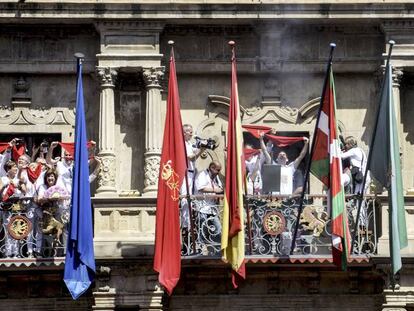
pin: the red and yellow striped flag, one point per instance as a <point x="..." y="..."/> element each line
<point x="232" y="239"/>
<point x="326" y="165"/>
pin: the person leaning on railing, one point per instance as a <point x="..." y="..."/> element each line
<point x="358" y="160"/>
<point x="13" y="187"/>
<point x="55" y="203"/>
<point x="208" y="183"/>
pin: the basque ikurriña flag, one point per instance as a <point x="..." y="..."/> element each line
<point x="173" y="166"/>
<point x="80" y="259"/>
<point x="232" y="239"/>
<point x="326" y="165"/>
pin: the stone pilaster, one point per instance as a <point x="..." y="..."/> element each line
<point x="153" y="129"/>
<point x="397" y="74"/>
<point x="107" y="174"/>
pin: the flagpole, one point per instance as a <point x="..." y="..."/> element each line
<point x="190" y="214"/>
<point x="302" y="197"/>
<point x="361" y="195"/>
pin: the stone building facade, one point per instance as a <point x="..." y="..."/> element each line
<point x="282" y="47"/>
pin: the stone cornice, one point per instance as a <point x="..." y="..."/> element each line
<point x="207" y="10"/>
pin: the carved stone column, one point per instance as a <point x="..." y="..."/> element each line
<point x="397" y="74"/>
<point x="107" y="174"/>
<point x="153" y="129"/>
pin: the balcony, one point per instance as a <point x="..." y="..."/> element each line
<point x="124" y="228"/>
<point x="31" y="234"/>
<point x="270" y="226"/>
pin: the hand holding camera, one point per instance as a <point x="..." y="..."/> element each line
<point x="205" y="143"/>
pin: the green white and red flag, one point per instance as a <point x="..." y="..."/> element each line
<point x="326" y="165"/>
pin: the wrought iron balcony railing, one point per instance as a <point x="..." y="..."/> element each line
<point x="270" y="224"/>
<point x="29" y="231"/>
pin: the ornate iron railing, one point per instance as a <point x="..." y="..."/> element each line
<point x="270" y="224"/>
<point x="29" y="231"/>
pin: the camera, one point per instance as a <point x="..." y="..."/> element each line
<point x="207" y="143"/>
<point x="19" y="141"/>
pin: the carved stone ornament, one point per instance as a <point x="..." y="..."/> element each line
<point x="151" y="171"/>
<point x="36" y="116"/>
<point x="107" y="75"/>
<point x="397" y="74"/>
<point x="152" y="76"/>
<point x="106" y="173"/>
<point x="258" y="114"/>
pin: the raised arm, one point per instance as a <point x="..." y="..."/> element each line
<point x="302" y="153"/>
<point x="95" y="172"/>
<point x="49" y="155"/>
<point x="268" y="158"/>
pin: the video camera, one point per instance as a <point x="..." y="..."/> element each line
<point x="206" y="143"/>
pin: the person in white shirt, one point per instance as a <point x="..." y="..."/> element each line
<point x="192" y="154"/>
<point x="358" y="160"/>
<point x="253" y="171"/>
<point x="13" y="185"/>
<point x="6" y="156"/>
<point x="287" y="169"/>
<point x="65" y="167"/>
<point x="208" y="182"/>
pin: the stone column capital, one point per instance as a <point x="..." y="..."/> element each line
<point x="107" y="76"/>
<point x="397" y="74"/>
<point x="152" y="76"/>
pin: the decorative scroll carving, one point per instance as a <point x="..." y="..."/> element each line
<point x="107" y="172"/>
<point x="36" y="116"/>
<point x="151" y="169"/>
<point x="152" y="76"/>
<point x="258" y="114"/>
<point x="107" y="76"/>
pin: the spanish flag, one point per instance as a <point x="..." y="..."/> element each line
<point x="232" y="239"/>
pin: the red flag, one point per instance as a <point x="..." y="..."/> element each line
<point x="70" y="147"/>
<point x="256" y="130"/>
<point x="18" y="151"/>
<point x="167" y="257"/>
<point x="249" y="152"/>
<point x="8" y="192"/>
<point x="3" y="147"/>
<point x="283" y="141"/>
<point x="233" y="237"/>
<point x="33" y="172"/>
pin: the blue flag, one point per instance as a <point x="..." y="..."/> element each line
<point x="80" y="259"/>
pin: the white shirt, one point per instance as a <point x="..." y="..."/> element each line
<point x="286" y="178"/>
<point x="65" y="173"/>
<point x="203" y="180"/>
<point x="356" y="156"/>
<point x="190" y="153"/>
<point x="6" y="156"/>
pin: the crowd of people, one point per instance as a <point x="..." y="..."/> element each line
<point x="38" y="187"/>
